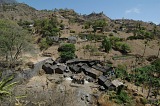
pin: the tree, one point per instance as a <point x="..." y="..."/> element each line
<point x="47" y="27"/>
<point x="146" y="42"/>
<point x="106" y="44"/>
<point x="123" y="47"/>
<point x="99" y="23"/>
<point x="13" y="40"/>
<point x="67" y="51"/>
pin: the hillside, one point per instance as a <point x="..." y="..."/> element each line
<point x="7" y="1"/>
<point x="63" y="58"/>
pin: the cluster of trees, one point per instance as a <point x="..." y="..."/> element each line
<point x="47" y="27"/>
<point x="67" y="51"/>
<point x="116" y="43"/>
<point x="147" y="75"/>
<point x="141" y="33"/>
<point x="13" y="40"/>
<point x="96" y="24"/>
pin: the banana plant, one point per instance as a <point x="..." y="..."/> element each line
<point x="6" y="85"/>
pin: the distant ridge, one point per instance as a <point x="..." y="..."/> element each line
<point x="7" y="1"/>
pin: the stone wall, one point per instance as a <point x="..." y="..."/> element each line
<point x="28" y="73"/>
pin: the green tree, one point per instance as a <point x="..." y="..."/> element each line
<point x="47" y="27"/>
<point x="123" y="47"/>
<point x="99" y="23"/>
<point x="13" y="40"/>
<point x="67" y="51"/>
<point x="106" y="44"/>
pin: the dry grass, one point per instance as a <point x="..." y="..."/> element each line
<point x="104" y="101"/>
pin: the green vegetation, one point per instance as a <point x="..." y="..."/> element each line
<point x="47" y="27"/>
<point x="87" y="24"/>
<point x="156" y="63"/>
<point x="91" y="48"/>
<point x="106" y="44"/>
<point x="120" y="71"/>
<point x="99" y="24"/>
<point x="118" y="44"/>
<point x="114" y="39"/>
<point x="25" y="24"/>
<point x="122" y="57"/>
<point x="13" y="40"/>
<point x="121" y="46"/>
<point x="43" y="43"/>
<point x="71" y="31"/>
<point x="91" y="37"/>
<point x="6" y="86"/>
<point x="122" y="98"/>
<point x="140" y="76"/>
<point x="141" y="33"/>
<point x="67" y="51"/>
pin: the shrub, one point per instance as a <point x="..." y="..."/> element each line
<point x="121" y="71"/>
<point x="67" y="55"/>
<point x="123" y="98"/>
<point x="114" y="31"/>
<point x="106" y="44"/>
<point x="114" y="39"/>
<point x="43" y="44"/>
<point x="67" y="47"/>
<point x="156" y="63"/>
<point x="71" y="31"/>
<point x="111" y="34"/>
<point x="67" y="51"/>
<point x="121" y="46"/>
<point x="143" y="100"/>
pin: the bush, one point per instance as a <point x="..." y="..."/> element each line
<point x="67" y="51"/>
<point x="143" y="100"/>
<point x="91" y="48"/>
<point x="121" y="46"/>
<point x="71" y="31"/>
<point x="43" y="44"/>
<point x="111" y="34"/>
<point x="114" y="39"/>
<point x="106" y="44"/>
<point x="156" y="63"/>
<point x="114" y="31"/>
<point x="67" y="55"/>
<point x="121" y="71"/>
<point x="123" y="98"/>
<point x="67" y="47"/>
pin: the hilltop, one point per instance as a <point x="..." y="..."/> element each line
<point x="7" y="1"/>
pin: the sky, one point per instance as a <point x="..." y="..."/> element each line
<point x="145" y="10"/>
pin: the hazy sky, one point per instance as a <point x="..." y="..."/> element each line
<point x="146" y="10"/>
